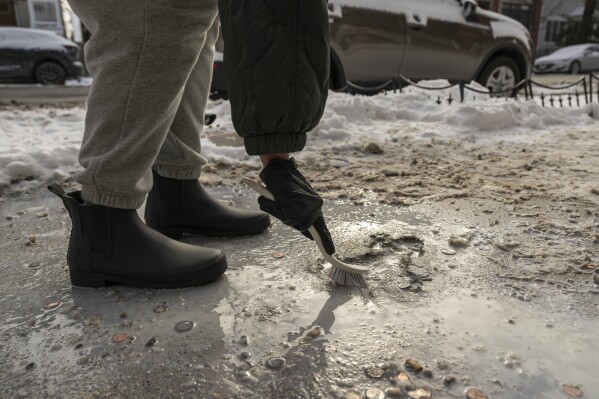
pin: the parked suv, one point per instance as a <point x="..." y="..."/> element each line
<point x="32" y="55"/>
<point x="374" y="40"/>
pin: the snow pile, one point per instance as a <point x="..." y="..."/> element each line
<point x="41" y="144"/>
<point x="361" y="119"/>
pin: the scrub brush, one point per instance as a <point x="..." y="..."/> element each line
<point x="341" y="273"/>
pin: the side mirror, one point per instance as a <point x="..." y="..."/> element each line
<point x="470" y="7"/>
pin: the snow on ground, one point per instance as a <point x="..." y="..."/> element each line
<point x="39" y="144"/>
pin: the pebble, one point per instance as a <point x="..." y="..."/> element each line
<point x="596" y="278"/>
<point x="572" y="391"/>
<point x="427" y="373"/>
<point x="160" y="309"/>
<point x="245" y="355"/>
<point x="414" y="365"/>
<point x="275" y="363"/>
<point x="313" y="334"/>
<point x="375" y="393"/>
<point x="375" y="372"/>
<point x="41" y="214"/>
<point x="278" y="255"/>
<point x="419" y="394"/>
<point x="23" y="393"/>
<point x="33" y="264"/>
<point x="448" y="252"/>
<point x="244" y="340"/>
<point x="458" y="242"/>
<point x="51" y="305"/>
<point x="151" y="342"/>
<point x="474" y="393"/>
<point x="403" y="377"/>
<point x="184" y="326"/>
<point x="120" y="337"/>
<point x="353" y="395"/>
<point x="393" y="392"/>
<point x="30" y="366"/>
<point x="374" y="148"/>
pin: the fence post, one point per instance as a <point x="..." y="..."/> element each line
<point x="532" y="96"/>
<point x="586" y="95"/>
<point x="590" y="90"/>
<point x="462" y="84"/>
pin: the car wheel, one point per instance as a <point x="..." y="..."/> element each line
<point x="575" y="68"/>
<point x="500" y="75"/>
<point x="50" y="73"/>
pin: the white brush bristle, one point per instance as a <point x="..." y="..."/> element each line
<point x="347" y="279"/>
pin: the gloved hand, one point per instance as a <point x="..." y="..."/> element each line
<point x="296" y="204"/>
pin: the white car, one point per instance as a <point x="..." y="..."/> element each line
<point x="570" y="59"/>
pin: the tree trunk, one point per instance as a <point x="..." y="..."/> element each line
<point x="587" y="21"/>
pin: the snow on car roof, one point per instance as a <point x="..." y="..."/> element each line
<point x="408" y="7"/>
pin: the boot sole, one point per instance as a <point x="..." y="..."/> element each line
<point x="178" y="233"/>
<point x="96" y="280"/>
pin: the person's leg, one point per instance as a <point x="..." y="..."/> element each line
<point x="140" y="55"/>
<point x="177" y="203"/>
<point x="179" y="157"/>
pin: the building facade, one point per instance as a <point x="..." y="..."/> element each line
<point x="36" y="14"/>
<point x="556" y="15"/>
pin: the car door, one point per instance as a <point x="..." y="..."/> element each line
<point x="368" y="38"/>
<point x="440" y="42"/>
<point x="591" y="59"/>
<point x="11" y="57"/>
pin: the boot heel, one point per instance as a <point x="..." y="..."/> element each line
<point x="84" y="279"/>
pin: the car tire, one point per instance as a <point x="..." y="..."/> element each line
<point x="50" y="73"/>
<point x="500" y="72"/>
<point x="575" y="68"/>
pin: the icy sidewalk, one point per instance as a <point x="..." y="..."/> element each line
<point x="274" y="327"/>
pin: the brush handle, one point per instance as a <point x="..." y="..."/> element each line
<point x="260" y="189"/>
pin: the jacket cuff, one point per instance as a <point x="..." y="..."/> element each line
<point x="274" y="143"/>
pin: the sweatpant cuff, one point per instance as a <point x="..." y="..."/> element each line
<point x="274" y="143"/>
<point x="175" y="173"/>
<point x="111" y="199"/>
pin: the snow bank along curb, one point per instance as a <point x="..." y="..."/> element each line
<point x="41" y="144"/>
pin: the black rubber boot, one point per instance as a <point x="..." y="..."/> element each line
<point x="110" y="245"/>
<point x="177" y="207"/>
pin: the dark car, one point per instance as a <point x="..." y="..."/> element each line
<point x="373" y="41"/>
<point x="32" y="55"/>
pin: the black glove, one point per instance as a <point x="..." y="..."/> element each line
<point x="296" y="204"/>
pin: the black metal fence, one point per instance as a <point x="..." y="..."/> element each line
<point x="532" y="89"/>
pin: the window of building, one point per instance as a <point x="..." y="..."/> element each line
<point x="4" y="5"/>
<point x="553" y="30"/>
<point x="45" y="11"/>
<point x="519" y="12"/>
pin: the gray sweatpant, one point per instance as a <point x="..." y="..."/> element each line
<point x="151" y="61"/>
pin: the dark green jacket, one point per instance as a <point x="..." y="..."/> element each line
<point x="277" y="65"/>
